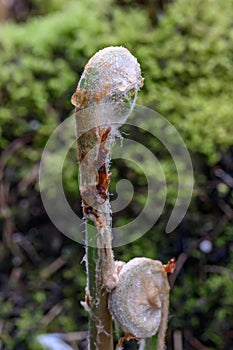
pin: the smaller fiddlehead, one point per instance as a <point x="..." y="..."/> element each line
<point x="140" y="301"/>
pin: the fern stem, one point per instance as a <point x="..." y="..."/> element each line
<point x="105" y="96"/>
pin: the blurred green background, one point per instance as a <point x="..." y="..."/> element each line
<point x="185" y="48"/>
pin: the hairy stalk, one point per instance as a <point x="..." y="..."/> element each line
<point x="105" y="96"/>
